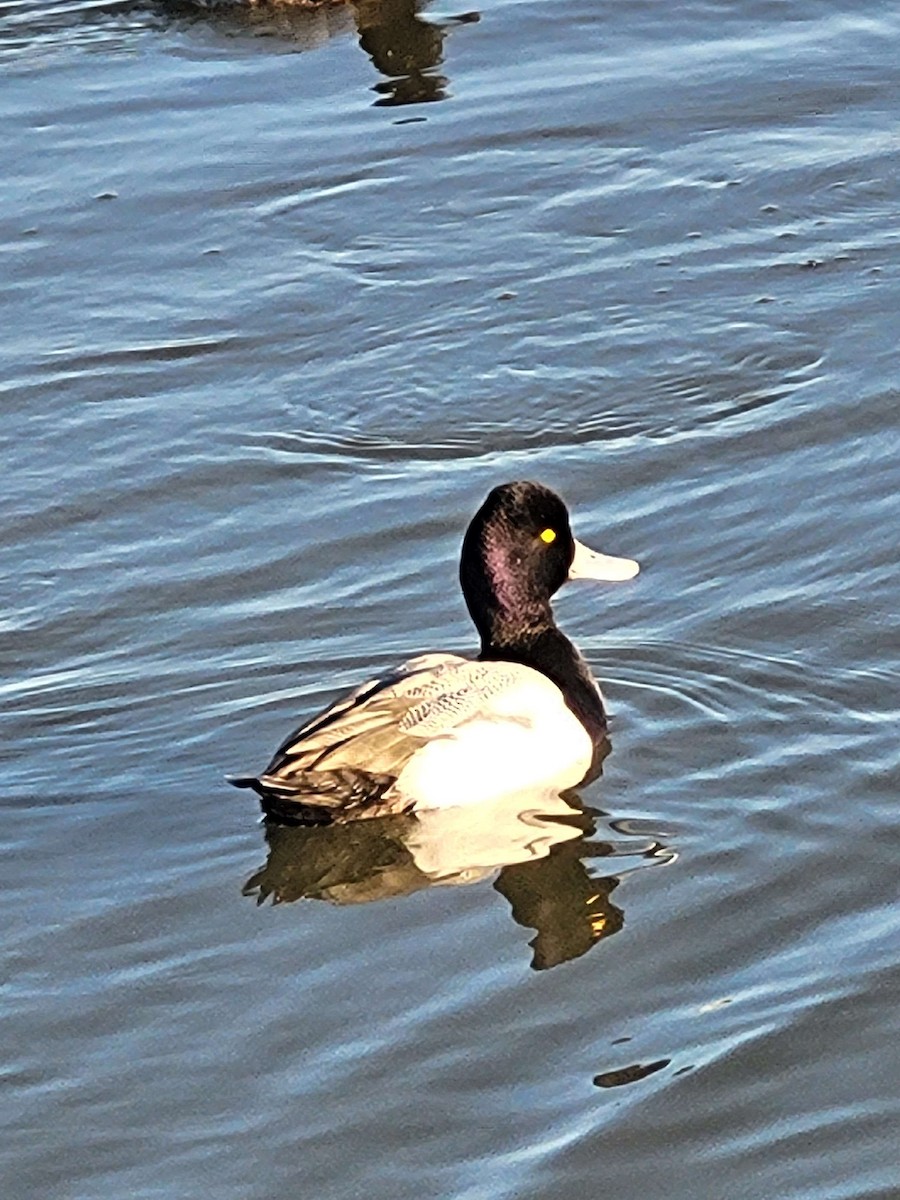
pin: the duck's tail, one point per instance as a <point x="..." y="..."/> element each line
<point x="323" y="797"/>
<point x="244" y="781"/>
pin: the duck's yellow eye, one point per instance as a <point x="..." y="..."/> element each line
<point x="548" y="535"/>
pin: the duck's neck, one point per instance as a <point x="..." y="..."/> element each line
<point x="549" y="651"/>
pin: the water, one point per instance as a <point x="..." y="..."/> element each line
<point x="273" y="325"/>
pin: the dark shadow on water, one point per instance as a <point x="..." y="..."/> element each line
<point x="631" y="1074"/>
<point x="541" y="859"/>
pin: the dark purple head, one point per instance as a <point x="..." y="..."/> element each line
<point x="518" y="551"/>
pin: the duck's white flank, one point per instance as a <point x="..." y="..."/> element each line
<point x="520" y="735"/>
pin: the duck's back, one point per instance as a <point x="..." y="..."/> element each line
<point x="364" y="726"/>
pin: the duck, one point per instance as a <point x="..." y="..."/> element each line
<point x="523" y="716"/>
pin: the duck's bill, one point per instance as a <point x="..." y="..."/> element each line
<point x="590" y="564"/>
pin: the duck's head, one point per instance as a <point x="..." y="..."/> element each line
<point x="519" y="550"/>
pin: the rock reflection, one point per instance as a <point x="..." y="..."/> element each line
<point x="403" y="46"/>
<point x="541" y="854"/>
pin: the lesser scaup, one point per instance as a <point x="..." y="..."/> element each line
<point x="442" y="730"/>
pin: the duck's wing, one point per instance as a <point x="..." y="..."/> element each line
<point x="360" y="730"/>
<point x="349" y="754"/>
<point x="366" y="706"/>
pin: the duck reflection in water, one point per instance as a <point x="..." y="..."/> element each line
<point x="539" y="856"/>
<point x="404" y="47"/>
